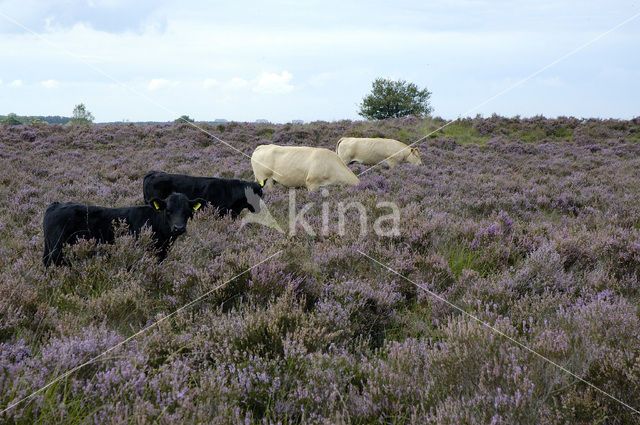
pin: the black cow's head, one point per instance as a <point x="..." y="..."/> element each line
<point x="177" y="209"/>
<point x="253" y="193"/>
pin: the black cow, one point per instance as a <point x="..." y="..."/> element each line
<point x="227" y="195"/>
<point x="67" y="222"/>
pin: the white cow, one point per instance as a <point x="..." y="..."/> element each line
<point x="297" y="166"/>
<point x="371" y="151"/>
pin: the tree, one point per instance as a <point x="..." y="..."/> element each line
<point x="81" y="115"/>
<point x="184" y="118"/>
<point x="11" y="119"/>
<point x="389" y="99"/>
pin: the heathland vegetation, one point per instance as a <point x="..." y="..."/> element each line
<point x="530" y="225"/>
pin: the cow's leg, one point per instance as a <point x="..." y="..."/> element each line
<point x="46" y="256"/>
<point x="312" y="181"/>
<point x="56" y="256"/>
<point x="315" y="183"/>
<point x="53" y="244"/>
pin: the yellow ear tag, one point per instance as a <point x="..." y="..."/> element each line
<point x="263" y="182"/>
<point x="197" y="206"/>
<point x="156" y="205"/>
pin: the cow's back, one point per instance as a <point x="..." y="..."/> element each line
<point x="156" y="184"/>
<point x="370" y="150"/>
<point x="71" y="221"/>
<point x="288" y="165"/>
<point x="300" y="166"/>
<point x="63" y="223"/>
<point x="329" y="169"/>
<point x="65" y="218"/>
<point x="223" y="194"/>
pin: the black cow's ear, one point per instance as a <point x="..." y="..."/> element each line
<point x="158" y="204"/>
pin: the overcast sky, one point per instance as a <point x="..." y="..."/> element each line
<point x="281" y="60"/>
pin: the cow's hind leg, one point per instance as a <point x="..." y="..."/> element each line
<point x="312" y="184"/>
<point x="53" y="256"/>
<point x="46" y="256"/>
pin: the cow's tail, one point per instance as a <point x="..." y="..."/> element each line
<point x="338" y="144"/>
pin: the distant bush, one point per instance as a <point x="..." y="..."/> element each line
<point x="81" y="115"/>
<point x="11" y="119"/>
<point x="394" y="99"/>
<point x="183" y="119"/>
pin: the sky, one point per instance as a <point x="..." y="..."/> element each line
<point x="155" y="60"/>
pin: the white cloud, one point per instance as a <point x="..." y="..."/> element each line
<point x="160" y="83"/>
<point x="113" y="16"/>
<point x="210" y="82"/>
<point x="50" y="84"/>
<point x="236" y="83"/>
<point x="269" y="83"/>
<point x="333" y="67"/>
<point x="232" y="84"/>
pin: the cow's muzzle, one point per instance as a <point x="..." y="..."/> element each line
<point x="178" y="230"/>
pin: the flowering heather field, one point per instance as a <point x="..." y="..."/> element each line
<point x="531" y="225"/>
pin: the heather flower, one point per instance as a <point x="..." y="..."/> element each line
<point x="528" y="224"/>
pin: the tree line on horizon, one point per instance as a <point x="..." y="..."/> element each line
<point x="388" y="99"/>
<point x="80" y="115"/>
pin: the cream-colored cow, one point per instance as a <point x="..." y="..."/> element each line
<point x="370" y="151"/>
<point x="297" y="166"/>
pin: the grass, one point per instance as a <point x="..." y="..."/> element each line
<point x="266" y="133"/>
<point x="463" y="132"/>
<point x="461" y="257"/>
